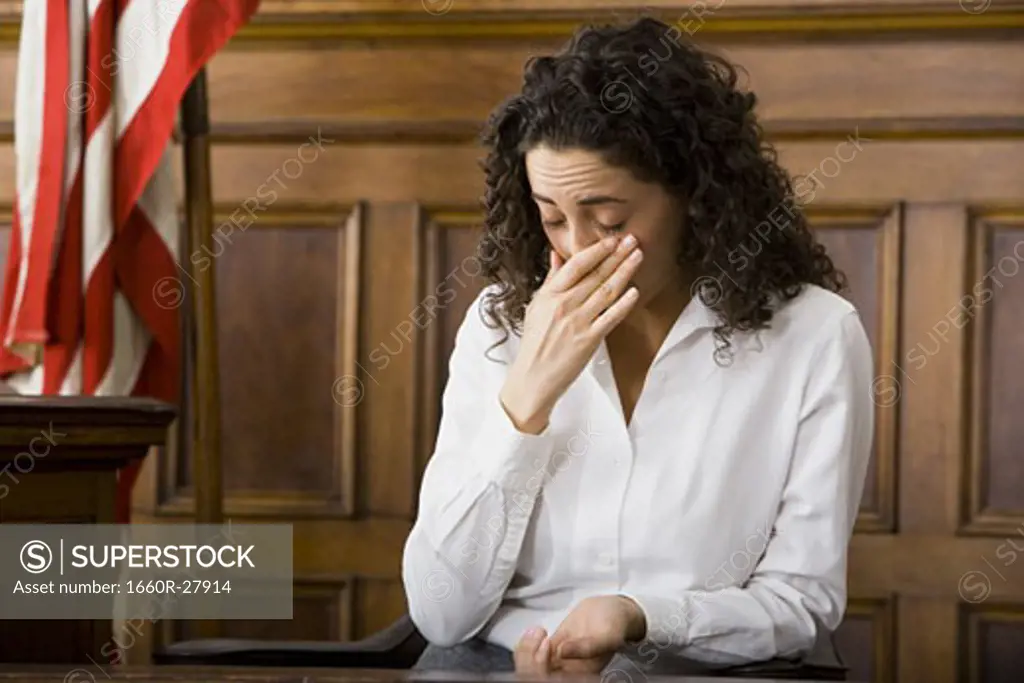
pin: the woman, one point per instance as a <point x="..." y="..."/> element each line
<point x="657" y="424"/>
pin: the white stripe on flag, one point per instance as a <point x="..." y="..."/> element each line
<point x="159" y="202"/>
<point x="143" y="47"/>
<point x="131" y="343"/>
<point x="28" y="141"/>
<point x="98" y="196"/>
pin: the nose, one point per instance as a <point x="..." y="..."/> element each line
<point x="582" y="236"/>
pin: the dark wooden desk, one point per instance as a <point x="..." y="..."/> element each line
<point x="214" y="674"/>
<point x="61" y="455"/>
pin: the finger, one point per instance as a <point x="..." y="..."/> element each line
<point x="530" y="641"/>
<point x="525" y="654"/>
<point x="615" y="313"/>
<point x="579" y="648"/>
<point x="583" y="262"/>
<point x="543" y="658"/>
<point x="555" y="262"/>
<point x="593" y="280"/>
<point x="558" y="637"/>
<point x="609" y="291"/>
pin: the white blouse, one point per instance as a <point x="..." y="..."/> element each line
<point x="724" y="508"/>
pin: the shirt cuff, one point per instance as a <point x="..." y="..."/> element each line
<point x="510" y="458"/>
<point x="668" y="619"/>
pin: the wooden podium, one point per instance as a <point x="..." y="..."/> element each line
<point x="59" y="457"/>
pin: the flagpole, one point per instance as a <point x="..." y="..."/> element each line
<point x="199" y="322"/>
<point x="201" y="334"/>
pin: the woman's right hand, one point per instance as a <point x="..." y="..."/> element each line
<point x="577" y="305"/>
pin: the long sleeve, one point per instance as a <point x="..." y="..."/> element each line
<point x="477" y="494"/>
<point x="799" y="585"/>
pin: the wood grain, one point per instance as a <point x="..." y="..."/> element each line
<point x="932" y="387"/>
<point x="992" y="635"/>
<point x="1003" y="473"/>
<point x="866" y="639"/>
<point x="792" y="80"/>
<point x="885" y="171"/>
<point x="298" y="7"/>
<point x="282" y="435"/>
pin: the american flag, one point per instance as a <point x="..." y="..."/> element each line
<point x="96" y="227"/>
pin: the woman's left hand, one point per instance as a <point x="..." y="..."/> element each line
<point x="586" y="640"/>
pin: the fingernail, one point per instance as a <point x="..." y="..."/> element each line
<point x="532" y="632"/>
<point x="629" y="241"/>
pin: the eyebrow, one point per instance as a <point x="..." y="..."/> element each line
<point x="586" y="201"/>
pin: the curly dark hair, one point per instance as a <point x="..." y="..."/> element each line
<point x="649" y="100"/>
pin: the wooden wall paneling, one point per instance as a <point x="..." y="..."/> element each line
<point x="866" y="244"/>
<point x="464" y="84"/>
<point x="937" y="567"/>
<point x="994" y="304"/>
<point x="948" y="330"/>
<point x="932" y="404"/>
<point x="432" y="365"/>
<point x="932" y="388"/>
<point x="927" y="641"/>
<point x="299" y="7"/>
<point x="292" y="450"/>
<point x="377" y="603"/>
<point x="886" y="171"/>
<point x="867" y="639"/>
<point x="763" y="21"/>
<point x="390" y="336"/>
<point x="992" y="635"/>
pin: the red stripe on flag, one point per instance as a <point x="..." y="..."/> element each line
<point x="99" y="65"/>
<point x="98" y="335"/>
<point x="12" y="362"/>
<point x="143" y="263"/>
<point x="65" y="307"/>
